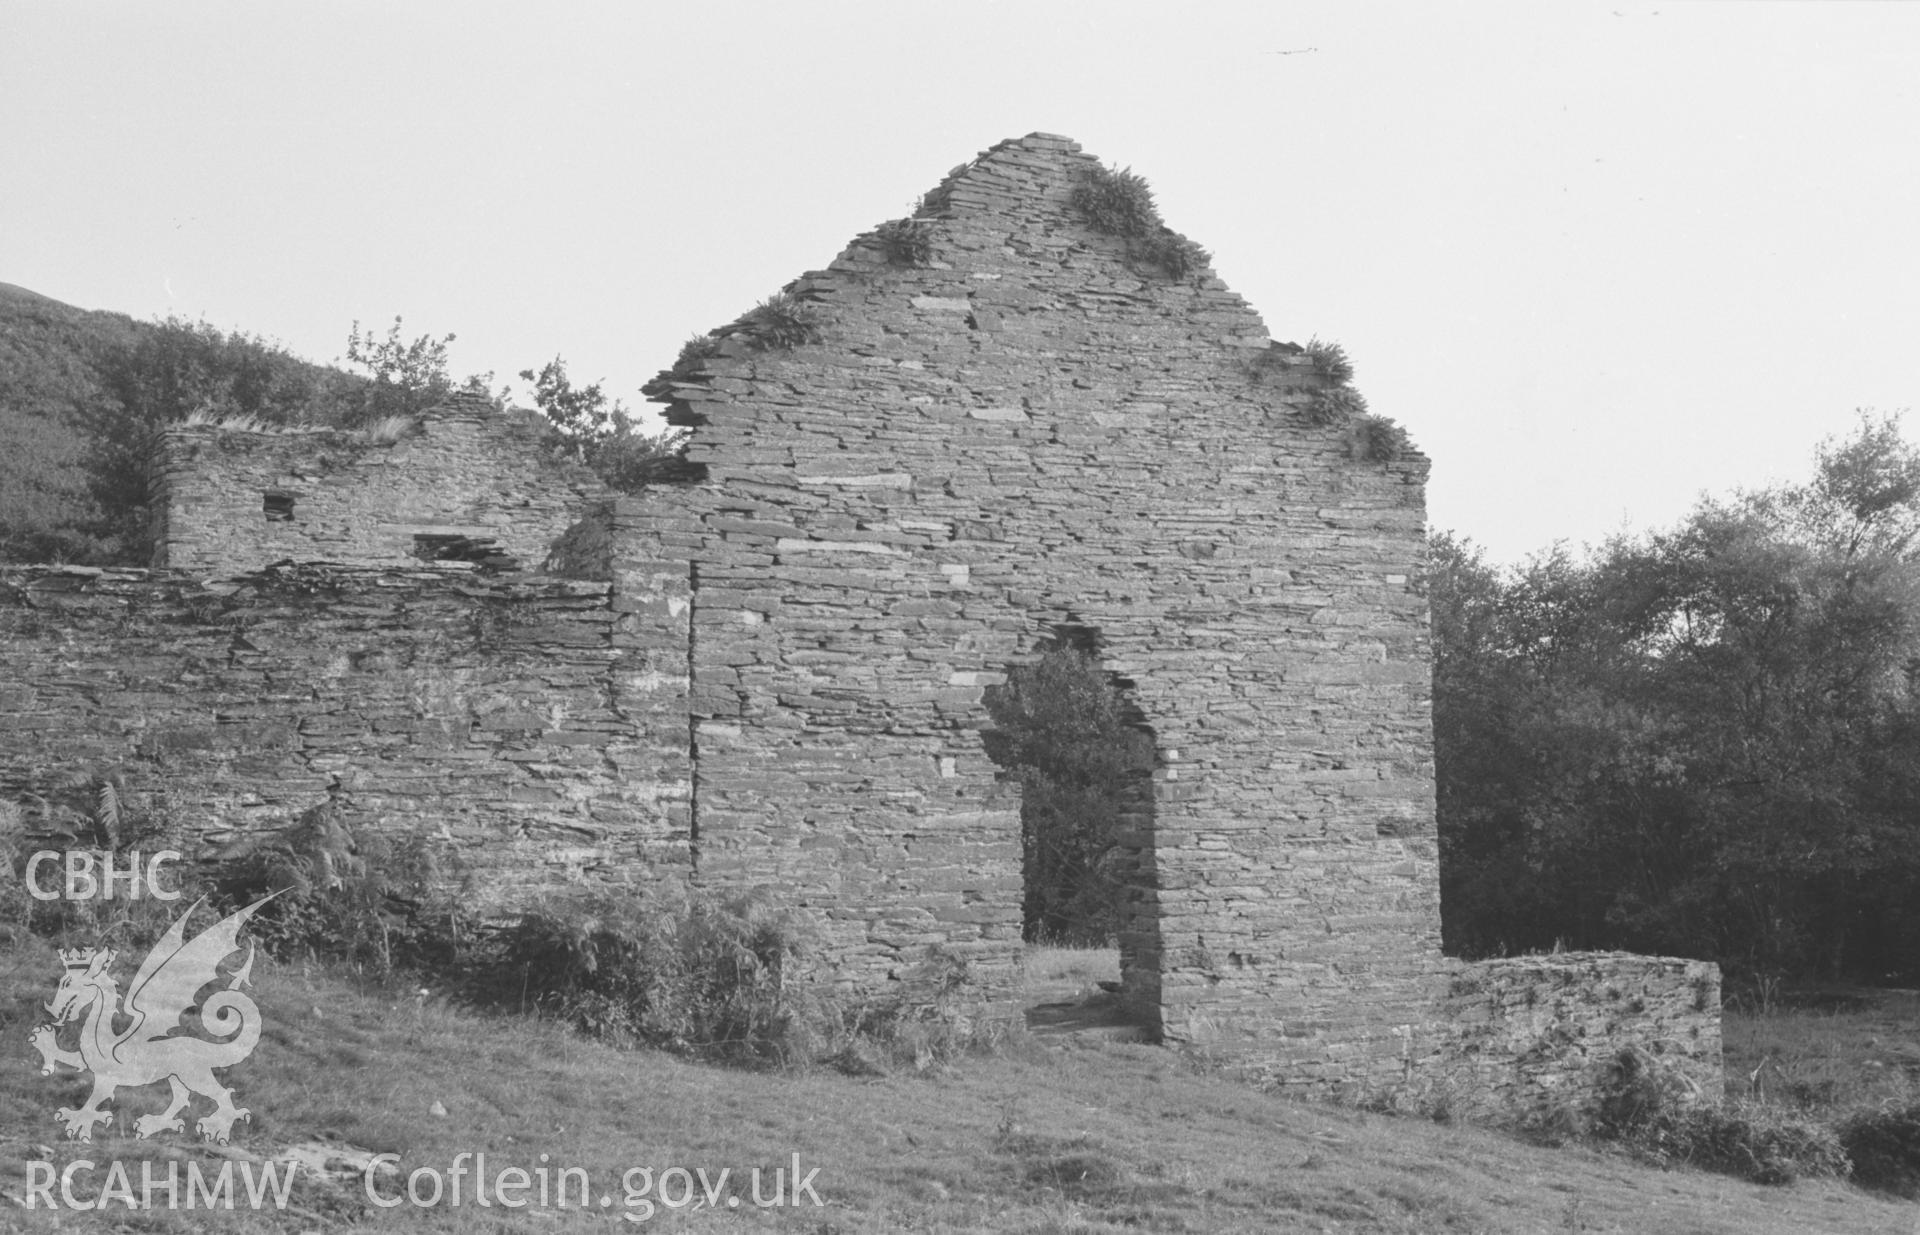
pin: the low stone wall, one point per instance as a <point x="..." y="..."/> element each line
<point x="521" y="723"/>
<point x="1497" y="1039"/>
<point x="230" y="500"/>
<point x="1529" y="1030"/>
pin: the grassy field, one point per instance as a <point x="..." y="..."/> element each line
<point x="1826" y="1052"/>
<point x="1062" y="1134"/>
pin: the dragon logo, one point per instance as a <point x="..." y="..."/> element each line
<point x="153" y="1046"/>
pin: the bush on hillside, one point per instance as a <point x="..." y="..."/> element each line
<point x="732" y="978"/>
<point x="684" y="970"/>
<point x="362" y="899"/>
<point x="1885" y="1147"/>
<point x="1650" y="1107"/>
<point x="97" y="814"/>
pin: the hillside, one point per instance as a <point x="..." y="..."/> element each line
<point x="79" y="389"/>
<point x="50" y="392"/>
<point x="1087" y="1137"/>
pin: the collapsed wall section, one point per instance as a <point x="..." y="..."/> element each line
<point x="528" y="730"/>
<point x="463" y="480"/>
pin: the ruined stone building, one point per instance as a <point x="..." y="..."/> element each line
<point x="968" y="435"/>
<point x="463" y="484"/>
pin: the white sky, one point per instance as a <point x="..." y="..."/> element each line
<point x="1598" y="259"/>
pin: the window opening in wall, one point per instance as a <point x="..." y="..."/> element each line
<point x="1068" y="732"/>
<point x="483" y="551"/>
<point x="278" y="506"/>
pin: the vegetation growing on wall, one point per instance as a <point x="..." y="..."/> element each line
<point x="696" y="349"/>
<point x="782" y="320"/>
<point x="1335" y="402"/>
<point x="1380" y="438"/>
<point x="1119" y="203"/>
<point x="403" y="377"/>
<point x="600" y="431"/>
<point x="908" y="242"/>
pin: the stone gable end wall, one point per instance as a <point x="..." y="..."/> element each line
<point x="1031" y="433"/>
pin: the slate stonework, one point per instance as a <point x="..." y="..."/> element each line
<point x="227" y="501"/>
<point x="507" y="718"/>
<point x="773" y="675"/>
<point x="1029" y="435"/>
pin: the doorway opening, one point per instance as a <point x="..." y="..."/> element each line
<point x="1069" y="733"/>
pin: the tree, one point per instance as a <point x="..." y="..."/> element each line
<point x="600" y="432"/>
<point x="1698" y="741"/>
<point x="1483" y="689"/>
<point x="1065" y="731"/>
<point x="403" y="379"/>
<point x="48" y="386"/>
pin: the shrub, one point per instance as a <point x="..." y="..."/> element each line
<point x="729" y="978"/>
<point x="1119" y="203"/>
<point x="908" y="242"/>
<point x="1379" y="438"/>
<point x="1337" y="403"/>
<point x="1340" y="405"/>
<point x="688" y="971"/>
<point x="1550" y="1122"/>
<point x="1170" y="251"/>
<point x="696" y="349"/>
<point x="99" y="814"/>
<point x="932" y="1016"/>
<point x="782" y="320"/>
<point x="1885" y="1148"/>
<point x="1637" y="1091"/>
<point x="1754" y="1143"/>
<point x="631" y="462"/>
<point x="1654" y="1109"/>
<point x="1330" y="361"/>
<point x="364" y="900"/>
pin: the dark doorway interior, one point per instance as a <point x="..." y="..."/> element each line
<point x="1069" y="733"/>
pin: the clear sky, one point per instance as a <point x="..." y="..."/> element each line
<point x="1597" y="258"/>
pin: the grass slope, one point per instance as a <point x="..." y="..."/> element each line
<point x="50" y="388"/>
<point x="1041" y="1138"/>
<point x="1827" y="1053"/>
